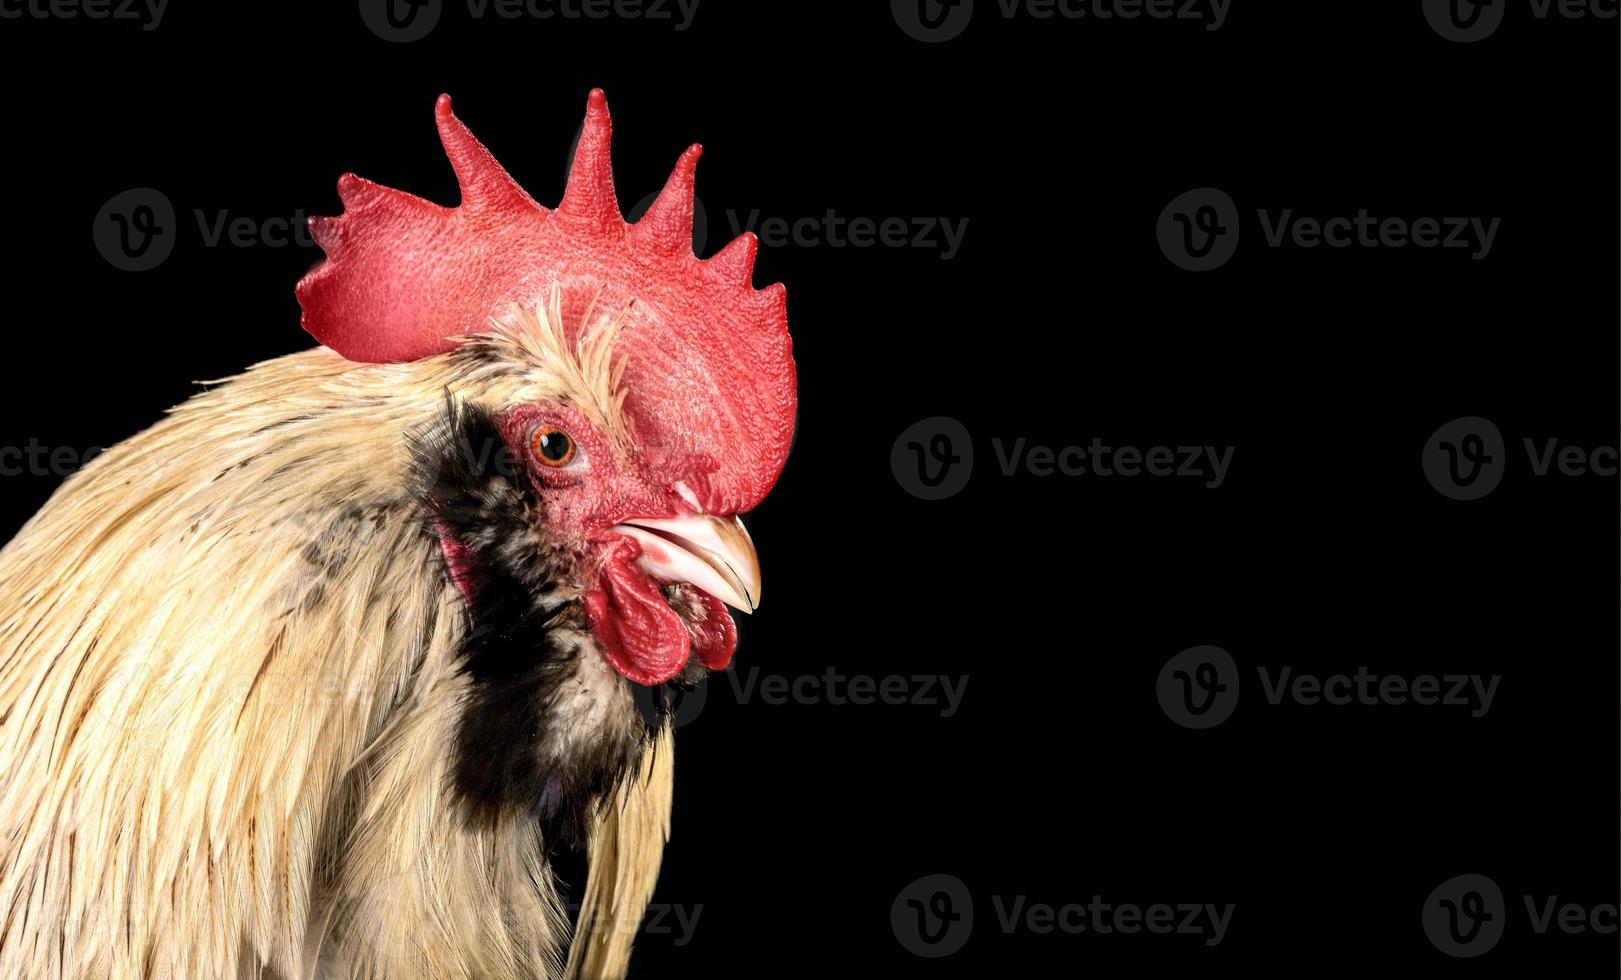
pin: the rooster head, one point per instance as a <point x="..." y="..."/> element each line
<point x="642" y="398"/>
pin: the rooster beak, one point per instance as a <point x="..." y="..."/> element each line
<point x="714" y="554"/>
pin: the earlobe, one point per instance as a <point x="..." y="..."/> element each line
<point x="460" y="563"/>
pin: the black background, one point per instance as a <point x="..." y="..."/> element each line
<point x="1061" y="141"/>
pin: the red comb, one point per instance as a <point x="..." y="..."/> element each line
<point x="709" y="369"/>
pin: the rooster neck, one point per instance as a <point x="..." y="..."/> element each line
<point x="232" y="657"/>
<point x="548" y="730"/>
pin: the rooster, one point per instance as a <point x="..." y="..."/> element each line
<point x="316" y="677"/>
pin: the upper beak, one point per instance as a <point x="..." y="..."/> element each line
<point x="712" y="553"/>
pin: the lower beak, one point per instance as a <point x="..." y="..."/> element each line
<point x="712" y="553"/>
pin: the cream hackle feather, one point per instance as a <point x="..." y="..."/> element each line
<point x="228" y="696"/>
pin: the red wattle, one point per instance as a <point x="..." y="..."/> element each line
<point x="714" y="640"/>
<point x="642" y="637"/>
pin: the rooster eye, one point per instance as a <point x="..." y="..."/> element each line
<point x="552" y="446"/>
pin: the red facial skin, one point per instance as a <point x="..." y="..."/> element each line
<point x="642" y="638"/>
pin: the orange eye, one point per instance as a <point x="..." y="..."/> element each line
<point x="552" y="446"/>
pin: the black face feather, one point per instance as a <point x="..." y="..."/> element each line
<point x="526" y="646"/>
